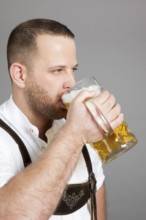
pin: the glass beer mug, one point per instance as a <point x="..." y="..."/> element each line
<point x="117" y="141"/>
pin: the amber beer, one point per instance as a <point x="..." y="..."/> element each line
<point x="121" y="140"/>
<point x="113" y="145"/>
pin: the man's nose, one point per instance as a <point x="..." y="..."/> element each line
<point x="70" y="81"/>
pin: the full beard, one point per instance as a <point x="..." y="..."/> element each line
<point x="42" y="105"/>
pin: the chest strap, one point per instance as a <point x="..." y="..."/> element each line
<point x="92" y="181"/>
<point x="23" y="150"/>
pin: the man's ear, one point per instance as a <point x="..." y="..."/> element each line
<point x="18" y="74"/>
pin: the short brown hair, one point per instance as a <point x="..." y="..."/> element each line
<point x="22" y="39"/>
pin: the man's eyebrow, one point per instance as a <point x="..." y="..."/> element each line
<point x="57" y="66"/>
<point x="61" y="66"/>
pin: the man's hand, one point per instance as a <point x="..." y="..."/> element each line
<point x="80" y="120"/>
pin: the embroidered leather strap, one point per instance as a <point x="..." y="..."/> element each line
<point x="23" y="150"/>
<point x="76" y="196"/>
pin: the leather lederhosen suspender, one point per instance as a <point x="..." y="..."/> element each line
<point x="75" y="195"/>
<point x="23" y="150"/>
<point x="92" y="181"/>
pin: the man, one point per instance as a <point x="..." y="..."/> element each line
<point x="41" y="152"/>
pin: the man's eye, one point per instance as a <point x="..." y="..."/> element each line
<point x="75" y="69"/>
<point x="57" y="71"/>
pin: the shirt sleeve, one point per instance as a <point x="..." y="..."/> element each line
<point x="97" y="166"/>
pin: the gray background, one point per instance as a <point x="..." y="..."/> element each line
<point x="111" y="41"/>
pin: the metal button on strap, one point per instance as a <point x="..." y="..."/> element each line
<point x="31" y="130"/>
<point x="43" y="149"/>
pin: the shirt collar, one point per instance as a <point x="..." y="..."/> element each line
<point x="12" y="113"/>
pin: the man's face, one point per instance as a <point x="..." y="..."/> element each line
<point x="52" y="74"/>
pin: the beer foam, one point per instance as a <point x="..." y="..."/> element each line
<point x="69" y="96"/>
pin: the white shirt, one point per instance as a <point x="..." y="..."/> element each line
<point x="11" y="161"/>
